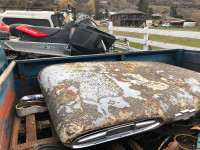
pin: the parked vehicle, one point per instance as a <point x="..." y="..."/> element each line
<point x="35" y="18"/>
<point x="166" y="25"/>
<point x="98" y="100"/>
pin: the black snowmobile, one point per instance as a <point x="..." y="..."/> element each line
<point x="82" y="36"/>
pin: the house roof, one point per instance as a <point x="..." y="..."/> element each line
<point x="128" y="11"/>
<point x="172" y="18"/>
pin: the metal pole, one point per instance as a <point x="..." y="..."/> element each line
<point x="110" y="27"/>
<point x="146" y="38"/>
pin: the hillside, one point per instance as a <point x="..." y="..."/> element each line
<point x="189" y="9"/>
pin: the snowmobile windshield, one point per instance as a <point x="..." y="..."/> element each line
<point x="87" y="22"/>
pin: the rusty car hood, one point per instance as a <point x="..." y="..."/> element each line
<point x="84" y="97"/>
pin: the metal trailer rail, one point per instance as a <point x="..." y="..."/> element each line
<point x="53" y="49"/>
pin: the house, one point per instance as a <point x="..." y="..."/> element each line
<point x="174" y="22"/>
<point x="156" y="16"/>
<point x="189" y="24"/>
<point x="128" y="17"/>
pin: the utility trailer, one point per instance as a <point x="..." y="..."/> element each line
<point x="20" y="78"/>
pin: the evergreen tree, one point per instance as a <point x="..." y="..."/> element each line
<point x="173" y="11"/>
<point x="150" y="12"/>
<point x="98" y="14"/>
<point x="143" y="6"/>
<point x="106" y="13"/>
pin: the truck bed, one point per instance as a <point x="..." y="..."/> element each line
<point x="20" y="77"/>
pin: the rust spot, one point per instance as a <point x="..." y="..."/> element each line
<point x="63" y="86"/>
<point x="73" y="94"/>
<point x="176" y="81"/>
<point x="152" y="70"/>
<point x="124" y="114"/>
<point x="157" y="106"/>
<point x="149" y="101"/>
<point x="79" y="103"/>
<point x="120" y="79"/>
<point x="105" y="93"/>
<point x="70" y="134"/>
<point x="108" y="70"/>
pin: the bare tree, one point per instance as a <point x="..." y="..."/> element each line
<point x="196" y="17"/>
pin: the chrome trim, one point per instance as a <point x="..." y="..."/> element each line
<point x="184" y="114"/>
<point x="104" y="47"/>
<point x="32" y="97"/>
<point x="113" y="133"/>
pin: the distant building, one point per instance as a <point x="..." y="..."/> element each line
<point x="174" y="22"/>
<point x="56" y="1"/>
<point x="103" y="2"/>
<point x="189" y="24"/>
<point x="128" y="17"/>
<point x="156" y="16"/>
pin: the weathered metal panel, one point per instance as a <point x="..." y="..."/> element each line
<point x="83" y="97"/>
<point x="192" y="57"/>
<point x="191" y="60"/>
<point x="3" y="60"/>
<point x="31" y="68"/>
<point x="7" y="99"/>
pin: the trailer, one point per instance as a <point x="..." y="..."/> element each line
<point x="20" y="78"/>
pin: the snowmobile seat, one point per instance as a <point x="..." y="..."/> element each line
<point x="36" y="31"/>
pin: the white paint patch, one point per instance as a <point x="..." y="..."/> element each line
<point x="173" y="100"/>
<point x="184" y="94"/>
<point x="194" y="84"/>
<point x="59" y="109"/>
<point x="164" y="106"/>
<point x="128" y="92"/>
<point x="104" y="104"/>
<point x="159" y="71"/>
<point x="68" y="109"/>
<point x="77" y="106"/>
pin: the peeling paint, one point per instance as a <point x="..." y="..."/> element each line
<point x="194" y="84"/>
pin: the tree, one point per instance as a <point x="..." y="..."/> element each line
<point x="196" y="17"/>
<point x="106" y="13"/>
<point x="98" y="14"/>
<point x="64" y="4"/>
<point x="173" y="11"/>
<point x="91" y="7"/>
<point x="20" y="3"/>
<point x="143" y="6"/>
<point x="150" y="12"/>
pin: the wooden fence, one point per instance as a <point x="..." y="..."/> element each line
<point x="146" y="31"/>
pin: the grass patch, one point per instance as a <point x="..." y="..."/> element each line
<point x="178" y="29"/>
<point x="164" y="39"/>
<point x="102" y="28"/>
<point x="139" y="46"/>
